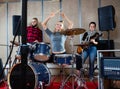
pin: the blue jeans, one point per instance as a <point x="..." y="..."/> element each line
<point x="90" y="52"/>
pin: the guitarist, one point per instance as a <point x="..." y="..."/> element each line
<point x="91" y="40"/>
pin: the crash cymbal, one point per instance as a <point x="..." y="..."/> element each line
<point x="73" y="31"/>
<point x="15" y="43"/>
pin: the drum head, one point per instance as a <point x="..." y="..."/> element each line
<point x="39" y="57"/>
<point x="16" y="78"/>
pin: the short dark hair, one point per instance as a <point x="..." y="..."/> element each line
<point x="92" y="23"/>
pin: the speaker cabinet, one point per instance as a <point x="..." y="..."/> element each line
<point x="16" y="25"/>
<point x="106" y="18"/>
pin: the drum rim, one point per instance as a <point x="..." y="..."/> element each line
<point x="35" y="85"/>
<point x="49" y="74"/>
<point x="36" y="77"/>
<point x="42" y="43"/>
<point x="46" y="69"/>
<point x="40" y="57"/>
<point x="41" y="54"/>
<point x="8" y="77"/>
<point x="63" y="55"/>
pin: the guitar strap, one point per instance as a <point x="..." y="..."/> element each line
<point x="89" y="35"/>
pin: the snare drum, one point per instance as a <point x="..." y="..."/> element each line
<point x="35" y="74"/>
<point x="42" y="52"/>
<point x="63" y="59"/>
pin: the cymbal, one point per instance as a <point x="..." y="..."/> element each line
<point x="73" y="31"/>
<point x="15" y="43"/>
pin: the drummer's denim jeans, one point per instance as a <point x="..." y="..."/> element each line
<point x="90" y="52"/>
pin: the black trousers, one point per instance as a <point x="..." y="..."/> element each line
<point x="78" y="62"/>
<point x="52" y="57"/>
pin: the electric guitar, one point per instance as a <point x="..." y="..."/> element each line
<point x="85" y="45"/>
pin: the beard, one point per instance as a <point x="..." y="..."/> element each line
<point x="34" y="26"/>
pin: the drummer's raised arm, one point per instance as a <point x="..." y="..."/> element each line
<point x="44" y="23"/>
<point x="70" y="23"/>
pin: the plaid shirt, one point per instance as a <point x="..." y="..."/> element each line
<point x="34" y="34"/>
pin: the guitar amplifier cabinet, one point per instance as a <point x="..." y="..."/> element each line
<point x="106" y="45"/>
<point x="110" y="67"/>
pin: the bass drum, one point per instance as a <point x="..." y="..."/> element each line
<point x="35" y="74"/>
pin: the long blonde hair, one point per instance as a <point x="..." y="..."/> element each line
<point x="61" y="21"/>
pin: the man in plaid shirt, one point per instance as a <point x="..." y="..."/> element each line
<point x="34" y="33"/>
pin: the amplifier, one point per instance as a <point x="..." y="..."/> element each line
<point x="110" y="67"/>
<point x="105" y="44"/>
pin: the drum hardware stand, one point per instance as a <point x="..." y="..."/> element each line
<point x="62" y="74"/>
<point x="40" y="85"/>
<point x="15" y="61"/>
<point x="72" y="71"/>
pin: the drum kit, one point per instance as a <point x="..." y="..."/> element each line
<point x="37" y="72"/>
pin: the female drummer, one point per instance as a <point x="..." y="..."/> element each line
<point x="56" y="38"/>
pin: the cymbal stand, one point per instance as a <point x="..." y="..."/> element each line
<point x="72" y="74"/>
<point x="40" y="85"/>
<point x="10" y="61"/>
<point x="62" y="74"/>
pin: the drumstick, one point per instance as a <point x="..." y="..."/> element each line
<point x="57" y="11"/>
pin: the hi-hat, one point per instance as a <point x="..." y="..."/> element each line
<point x="15" y="43"/>
<point x="73" y="31"/>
